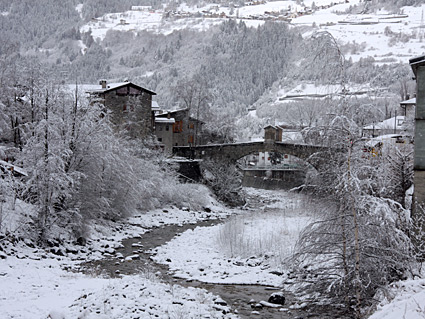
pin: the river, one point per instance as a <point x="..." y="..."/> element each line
<point x="238" y="297"/>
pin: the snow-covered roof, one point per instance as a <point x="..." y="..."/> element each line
<point x="114" y="86"/>
<point x="391" y="123"/>
<point x="165" y="120"/>
<point x="417" y="62"/>
<point x="155" y="106"/>
<point x="409" y="102"/>
<point x="387" y="137"/>
<point x="12" y="167"/>
<point x="165" y="112"/>
<point x="272" y="126"/>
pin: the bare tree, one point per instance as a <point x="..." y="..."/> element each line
<point x="225" y="181"/>
<point x="342" y="256"/>
<point x="195" y="96"/>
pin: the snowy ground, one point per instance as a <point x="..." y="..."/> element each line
<point x="39" y="288"/>
<point x="35" y="283"/>
<point x="407" y="300"/>
<point x="313" y="91"/>
<point x="383" y="36"/>
<point x="388" y="38"/>
<point x="248" y="248"/>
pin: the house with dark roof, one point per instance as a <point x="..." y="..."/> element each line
<point x="128" y="105"/>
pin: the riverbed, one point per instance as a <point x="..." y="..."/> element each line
<point x="246" y="300"/>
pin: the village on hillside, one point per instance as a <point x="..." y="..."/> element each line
<point x="212" y="160"/>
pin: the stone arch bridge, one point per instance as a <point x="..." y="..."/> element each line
<point x="231" y="152"/>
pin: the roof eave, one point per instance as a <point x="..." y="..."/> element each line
<point x="98" y="91"/>
<point x="417" y="62"/>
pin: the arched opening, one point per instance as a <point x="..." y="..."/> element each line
<point x="273" y="170"/>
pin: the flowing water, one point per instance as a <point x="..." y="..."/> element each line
<point x="238" y="297"/>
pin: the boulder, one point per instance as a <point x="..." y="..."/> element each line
<point x="277" y="298"/>
<point x="81" y="241"/>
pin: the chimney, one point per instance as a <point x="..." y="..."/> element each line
<point x="103" y="83"/>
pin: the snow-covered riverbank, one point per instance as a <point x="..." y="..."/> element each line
<point x="249" y="248"/>
<point x="36" y="283"/>
<point x="39" y="288"/>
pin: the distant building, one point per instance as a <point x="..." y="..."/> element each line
<point x="272" y="133"/>
<point x="269" y="160"/>
<point x="408" y="107"/>
<point x="392" y="125"/>
<point x="128" y="105"/>
<point x="141" y="8"/>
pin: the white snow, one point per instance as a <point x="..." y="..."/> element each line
<point x="39" y="288"/>
<point x="79" y="9"/>
<point x="391" y="124"/>
<point x="348" y="28"/>
<point x="408" y="301"/>
<point x="152" y="21"/>
<point x="306" y="91"/>
<point x="35" y="283"/>
<point x="82" y="46"/>
<point x="243" y="250"/>
<point x="370" y="33"/>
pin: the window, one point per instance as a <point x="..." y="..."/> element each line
<point x="178" y="127"/>
<point x="124" y="108"/>
<point x="167" y="127"/>
<point x="159" y="139"/>
<point x="190" y="139"/>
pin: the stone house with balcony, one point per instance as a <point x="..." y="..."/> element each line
<point x="177" y="128"/>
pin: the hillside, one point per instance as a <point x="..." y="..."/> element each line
<point x="262" y="50"/>
<point x="75" y="183"/>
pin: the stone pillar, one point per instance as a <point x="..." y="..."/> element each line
<point x="418" y="205"/>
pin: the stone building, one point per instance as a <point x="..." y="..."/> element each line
<point x="128" y="105"/>
<point x="272" y="133"/>
<point x="186" y="131"/>
<point x="164" y="132"/>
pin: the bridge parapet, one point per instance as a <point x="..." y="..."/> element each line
<point x="234" y="151"/>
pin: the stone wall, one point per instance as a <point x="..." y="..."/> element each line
<point x="181" y="138"/>
<point x="233" y="152"/>
<point x="131" y="112"/>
